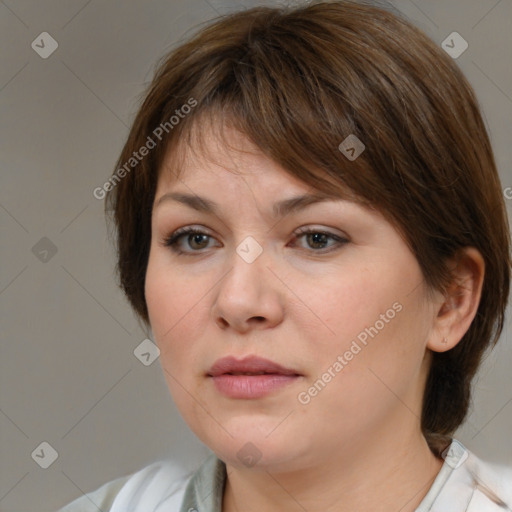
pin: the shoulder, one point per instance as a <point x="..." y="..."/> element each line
<point x="141" y="491"/>
<point x="492" y="483"/>
<point x="474" y="485"/>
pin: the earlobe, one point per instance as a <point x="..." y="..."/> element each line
<point x="442" y="344"/>
<point x="461" y="301"/>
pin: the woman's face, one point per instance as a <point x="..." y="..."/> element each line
<point x="327" y="290"/>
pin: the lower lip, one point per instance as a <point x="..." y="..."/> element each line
<point x="251" y="386"/>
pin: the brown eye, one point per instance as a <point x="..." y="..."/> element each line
<point x="317" y="240"/>
<point x="188" y="241"/>
<point x="198" y="241"/>
<point x="320" y="241"/>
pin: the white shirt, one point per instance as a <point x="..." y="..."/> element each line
<point x="464" y="484"/>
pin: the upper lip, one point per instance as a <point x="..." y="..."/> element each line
<point x="249" y="365"/>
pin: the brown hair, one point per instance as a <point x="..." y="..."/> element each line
<point x="297" y="82"/>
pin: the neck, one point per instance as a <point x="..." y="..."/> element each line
<point x="367" y="475"/>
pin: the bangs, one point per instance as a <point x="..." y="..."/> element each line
<point x="219" y="121"/>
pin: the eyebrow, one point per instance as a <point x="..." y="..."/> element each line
<point x="280" y="209"/>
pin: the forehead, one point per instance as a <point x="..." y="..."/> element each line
<point x="214" y="150"/>
<point x="217" y="151"/>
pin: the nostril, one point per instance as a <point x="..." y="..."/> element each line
<point x="222" y="323"/>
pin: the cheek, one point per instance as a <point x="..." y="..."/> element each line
<point x="337" y="307"/>
<point x="372" y="378"/>
<point x="174" y="311"/>
<point x="163" y="308"/>
<point x="384" y="357"/>
<point x="377" y="313"/>
<point x="173" y="302"/>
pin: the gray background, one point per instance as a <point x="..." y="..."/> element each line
<point x="68" y="373"/>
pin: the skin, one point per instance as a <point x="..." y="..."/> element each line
<point x="357" y="444"/>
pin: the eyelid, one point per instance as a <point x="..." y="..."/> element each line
<point x="192" y="228"/>
<point x="171" y="239"/>
<point x="312" y="228"/>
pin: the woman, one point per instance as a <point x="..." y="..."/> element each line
<point x="310" y="220"/>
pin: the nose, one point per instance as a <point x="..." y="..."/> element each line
<point x="248" y="297"/>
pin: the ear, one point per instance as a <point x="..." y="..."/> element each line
<point x="460" y="303"/>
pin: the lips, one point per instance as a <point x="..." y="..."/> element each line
<point x="250" y="365"/>
<point x="250" y="378"/>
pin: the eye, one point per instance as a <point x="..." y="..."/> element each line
<point x="320" y="240"/>
<point x="188" y="240"/>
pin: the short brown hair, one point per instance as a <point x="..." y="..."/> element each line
<point x="297" y="82"/>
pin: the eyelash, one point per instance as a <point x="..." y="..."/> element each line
<point x="172" y="240"/>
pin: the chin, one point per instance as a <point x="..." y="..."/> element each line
<point x="255" y="449"/>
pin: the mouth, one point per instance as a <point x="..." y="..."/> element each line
<point x="250" y="378"/>
<point x="250" y="365"/>
<point x="251" y="373"/>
